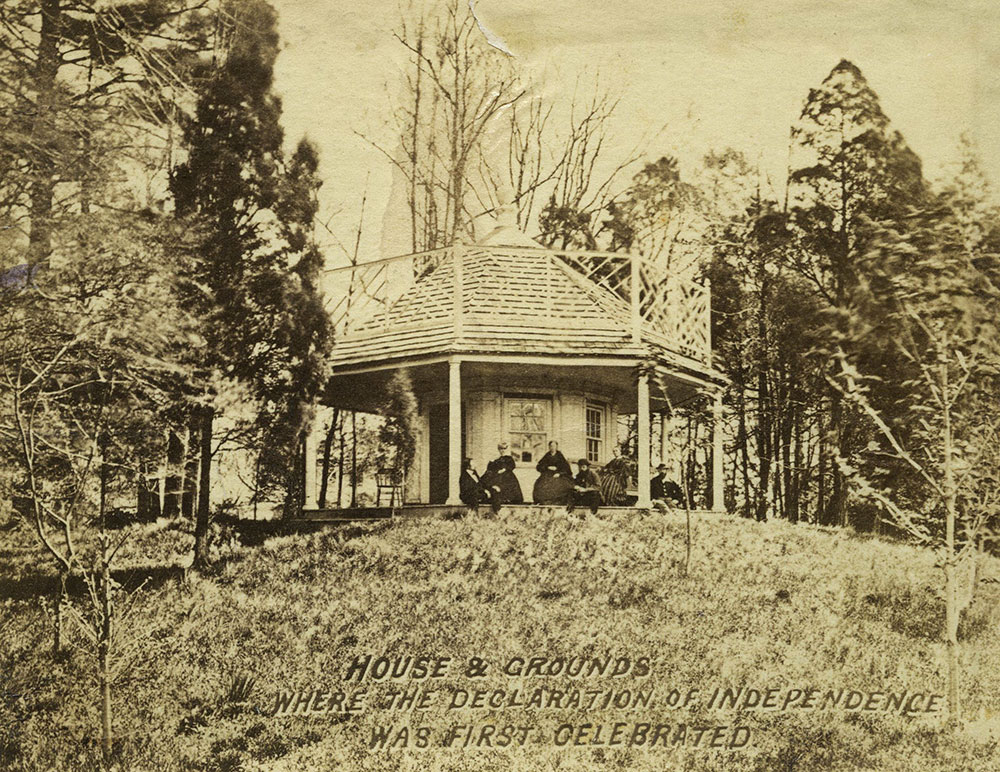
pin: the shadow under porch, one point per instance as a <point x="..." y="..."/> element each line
<point x="469" y="403"/>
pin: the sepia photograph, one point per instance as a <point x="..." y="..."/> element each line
<point x="487" y="385"/>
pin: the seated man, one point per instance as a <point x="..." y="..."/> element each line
<point x="663" y="490"/>
<point x="471" y="490"/>
<point x="586" y="488"/>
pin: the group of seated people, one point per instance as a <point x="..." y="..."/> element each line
<point x="556" y="483"/>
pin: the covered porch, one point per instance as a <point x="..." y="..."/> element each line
<point x="469" y="403"/>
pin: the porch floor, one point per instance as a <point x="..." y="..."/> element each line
<point x="444" y="510"/>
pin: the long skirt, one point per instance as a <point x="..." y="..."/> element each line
<point x="510" y="488"/>
<point x="550" y="489"/>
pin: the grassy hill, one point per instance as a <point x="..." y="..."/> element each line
<point x="763" y="606"/>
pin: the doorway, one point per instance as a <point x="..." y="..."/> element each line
<point x="437" y="437"/>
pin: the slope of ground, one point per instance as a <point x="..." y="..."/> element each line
<point x="763" y="606"/>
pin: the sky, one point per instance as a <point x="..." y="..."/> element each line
<point x="693" y="75"/>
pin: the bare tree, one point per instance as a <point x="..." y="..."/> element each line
<point x="937" y="440"/>
<point x="86" y="360"/>
<point x="456" y="87"/>
<point x="557" y="158"/>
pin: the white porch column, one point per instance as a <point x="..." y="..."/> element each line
<point x="454" y="429"/>
<point x="664" y="437"/>
<point x="642" y="415"/>
<point x="718" y="479"/>
<point x="310" y="476"/>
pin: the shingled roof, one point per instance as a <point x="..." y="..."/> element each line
<point x="513" y="301"/>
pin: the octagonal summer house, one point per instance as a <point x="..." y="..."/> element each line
<point x="509" y="340"/>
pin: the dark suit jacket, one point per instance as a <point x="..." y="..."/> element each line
<point x="665" y="490"/>
<point x="656" y="487"/>
<point x="587" y="478"/>
<point x="470" y="489"/>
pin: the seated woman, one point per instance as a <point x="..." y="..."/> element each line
<point x="554" y="484"/>
<point x="615" y="478"/>
<point x="501" y="479"/>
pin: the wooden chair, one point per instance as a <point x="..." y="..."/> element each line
<point x="390" y="480"/>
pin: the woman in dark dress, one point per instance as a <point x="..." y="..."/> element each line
<point x="554" y="483"/>
<point x="501" y="478"/>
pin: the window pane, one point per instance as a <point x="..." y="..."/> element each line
<point x="594" y="429"/>
<point x="528" y="427"/>
<point x="527" y="447"/>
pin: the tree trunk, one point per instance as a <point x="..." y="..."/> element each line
<point x="327" y="446"/>
<point x="786" y="460"/>
<point x="43" y="132"/>
<point x="763" y="449"/>
<point x="838" y="432"/>
<point x="821" y="474"/>
<point x="62" y="600"/>
<point x="103" y="652"/>
<point x="744" y="450"/>
<point x="340" y="465"/>
<point x="174" y="481"/>
<point x="688" y="463"/>
<point x="795" y="493"/>
<point x="155" y="505"/>
<point x="838" y="493"/>
<point x="951" y="632"/>
<point x="104" y="639"/>
<point x="709" y="460"/>
<point x="295" y="478"/>
<point x="201" y="561"/>
<point x="950" y="568"/>
<point x="763" y="414"/>
<point x="354" y="460"/>
<point x="143" y="503"/>
<point x="189" y="496"/>
<point x="256" y="484"/>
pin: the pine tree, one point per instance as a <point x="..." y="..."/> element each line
<point x="71" y="76"/>
<point x="262" y="310"/>
<point x="852" y="170"/>
<point x="764" y="324"/>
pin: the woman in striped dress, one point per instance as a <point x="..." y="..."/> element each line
<point x="615" y="478"/>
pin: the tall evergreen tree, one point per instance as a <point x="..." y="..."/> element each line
<point x="259" y="268"/>
<point x="764" y="322"/>
<point x="851" y="172"/>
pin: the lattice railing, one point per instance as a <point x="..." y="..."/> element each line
<point x="673" y="309"/>
<point x="679" y="310"/>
